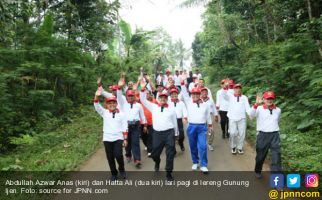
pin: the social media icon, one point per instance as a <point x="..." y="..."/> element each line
<point x="311" y="180"/>
<point x="277" y="180"/>
<point x="293" y="180"/>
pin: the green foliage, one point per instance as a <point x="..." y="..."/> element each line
<point x="51" y="53"/>
<point x="62" y="149"/>
<point x="271" y="45"/>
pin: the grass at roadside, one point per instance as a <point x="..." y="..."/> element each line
<point x="47" y="156"/>
<point x="301" y="152"/>
<point x="61" y="150"/>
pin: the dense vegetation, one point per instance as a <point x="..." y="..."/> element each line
<point x="51" y="53"/>
<point x="274" y="44"/>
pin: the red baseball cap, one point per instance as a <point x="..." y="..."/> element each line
<point x="195" y="90"/>
<point x="269" y="95"/>
<point x="174" y="90"/>
<point x="231" y="82"/>
<point x="113" y="98"/>
<point x="237" y="85"/>
<point x="130" y="93"/>
<point x="203" y="88"/>
<point x="114" y="87"/>
<point x="163" y="93"/>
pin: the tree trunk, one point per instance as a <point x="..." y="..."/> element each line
<point x="55" y="84"/>
<point x="309" y="10"/>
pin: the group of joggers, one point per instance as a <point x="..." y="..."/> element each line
<point x="157" y="113"/>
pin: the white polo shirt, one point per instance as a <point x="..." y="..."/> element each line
<point x="162" y="119"/>
<point x="238" y="106"/>
<point x="266" y="120"/>
<point x="113" y="127"/>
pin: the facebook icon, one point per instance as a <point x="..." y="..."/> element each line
<point x="277" y="180"/>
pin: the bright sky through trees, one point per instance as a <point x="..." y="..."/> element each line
<point x="180" y="23"/>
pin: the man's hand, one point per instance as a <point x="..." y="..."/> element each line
<point x="177" y="137"/>
<point x="142" y="84"/>
<point x="99" y="81"/>
<point x="210" y="131"/>
<point x="226" y="84"/>
<point x="185" y="121"/>
<point x="168" y="84"/>
<point x="98" y="93"/>
<point x="121" y="82"/>
<point x="147" y="78"/>
<point x="145" y="130"/>
<point x="259" y="98"/>
<point x="216" y="118"/>
<point x="124" y="143"/>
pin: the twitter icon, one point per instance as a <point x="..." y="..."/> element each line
<point x="293" y="180"/>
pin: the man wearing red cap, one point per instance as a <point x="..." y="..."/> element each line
<point x="213" y="112"/>
<point x="168" y="73"/>
<point x="198" y="118"/>
<point x="194" y="82"/>
<point x="113" y="90"/>
<point x="181" y="113"/>
<point x="165" y="129"/>
<point x="159" y="89"/>
<point x="222" y="105"/>
<point x="114" y="133"/>
<point x="201" y="84"/>
<point x="267" y="126"/>
<point x="238" y="107"/>
<point x="134" y="115"/>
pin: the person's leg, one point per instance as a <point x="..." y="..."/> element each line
<point x="118" y="153"/>
<point x="233" y="133"/>
<point x="158" y="144"/>
<point x="192" y="135"/>
<point x="109" y="150"/>
<point x="144" y="137"/>
<point x="181" y="134"/>
<point x="227" y="124"/>
<point x="149" y="138"/>
<point x="223" y="121"/>
<point x="262" y="146"/>
<point x="276" y="153"/>
<point x="169" y="145"/>
<point x="202" y="145"/>
<point x="211" y="136"/>
<point x="135" y="143"/>
<point x="128" y="148"/>
<point x="242" y="132"/>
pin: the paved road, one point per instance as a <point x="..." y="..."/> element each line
<point x="219" y="160"/>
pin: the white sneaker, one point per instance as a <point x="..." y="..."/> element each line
<point x="149" y="154"/>
<point x="204" y="170"/>
<point x="240" y="151"/>
<point x="233" y="151"/>
<point x="194" y="167"/>
<point x="145" y="148"/>
<point x="210" y="147"/>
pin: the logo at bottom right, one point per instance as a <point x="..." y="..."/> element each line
<point x="311" y="180"/>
